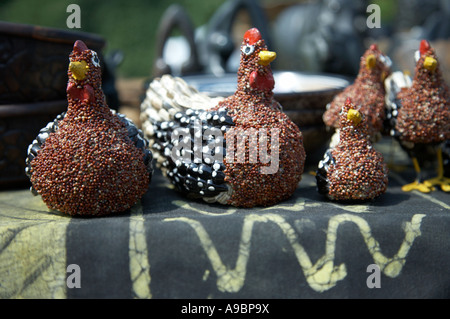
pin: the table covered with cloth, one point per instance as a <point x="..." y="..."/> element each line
<point x="167" y="246"/>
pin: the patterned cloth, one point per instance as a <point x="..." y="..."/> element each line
<point x="169" y="247"/>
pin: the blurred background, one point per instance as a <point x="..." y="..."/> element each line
<point x="307" y="35"/>
<point x="146" y="38"/>
<point x="129" y="26"/>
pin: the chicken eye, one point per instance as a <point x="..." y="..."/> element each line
<point x="95" y="59"/>
<point x="248" y="49"/>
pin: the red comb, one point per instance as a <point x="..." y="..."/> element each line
<point x="79" y="46"/>
<point x="348" y="101"/>
<point x="424" y="46"/>
<point x="373" y="47"/>
<point x="252" y="36"/>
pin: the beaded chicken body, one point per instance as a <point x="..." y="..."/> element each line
<point x="90" y="160"/>
<point x="241" y="150"/>
<point x="352" y="170"/>
<point x="419" y="117"/>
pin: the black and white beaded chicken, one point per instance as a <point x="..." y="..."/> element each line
<point x="194" y="170"/>
<point x="190" y="135"/>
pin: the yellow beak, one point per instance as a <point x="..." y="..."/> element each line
<point x="265" y="57"/>
<point x="78" y="69"/>
<point x="371" y="61"/>
<point x="354" y="116"/>
<point x="430" y="63"/>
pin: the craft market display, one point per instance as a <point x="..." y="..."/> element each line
<point x="279" y="158"/>
<point x="241" y="150"/>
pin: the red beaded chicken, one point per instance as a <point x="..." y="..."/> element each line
<point x="352" y="170"/>
<point x="420" y="117"/>
<point x="367" y="93"/>
<point x="241" y="150"/>
<point x="89" y="160"/>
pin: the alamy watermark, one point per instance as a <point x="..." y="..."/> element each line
<point x="73" y="21"/>
<point x="374" y="19"/>
<point x="374" y="280"/>
<point x="74" y="279"/>
<point x="249" y="146"/>
<point x="242" y="146"/>
<point x="74" y="18"/>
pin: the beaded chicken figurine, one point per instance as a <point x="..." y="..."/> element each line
<point x="241" y="150"/>
<point x="90" y="160"/>
<point x="367" y="92"/>
<point x="420" y="117"/>
<point x="352" y="170"/>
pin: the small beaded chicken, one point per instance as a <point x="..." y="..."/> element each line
<point x="241" y="150"/>
<point x="419" y="115"/>
<point x="367" y="92"/>
<point x="352" y="170"/>
<point x="90" y="160"/>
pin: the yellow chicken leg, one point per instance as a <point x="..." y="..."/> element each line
<point x="440" y="179"/>
<point x="417" y="184"/>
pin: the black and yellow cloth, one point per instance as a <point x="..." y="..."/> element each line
<point x="169" y="247"/>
